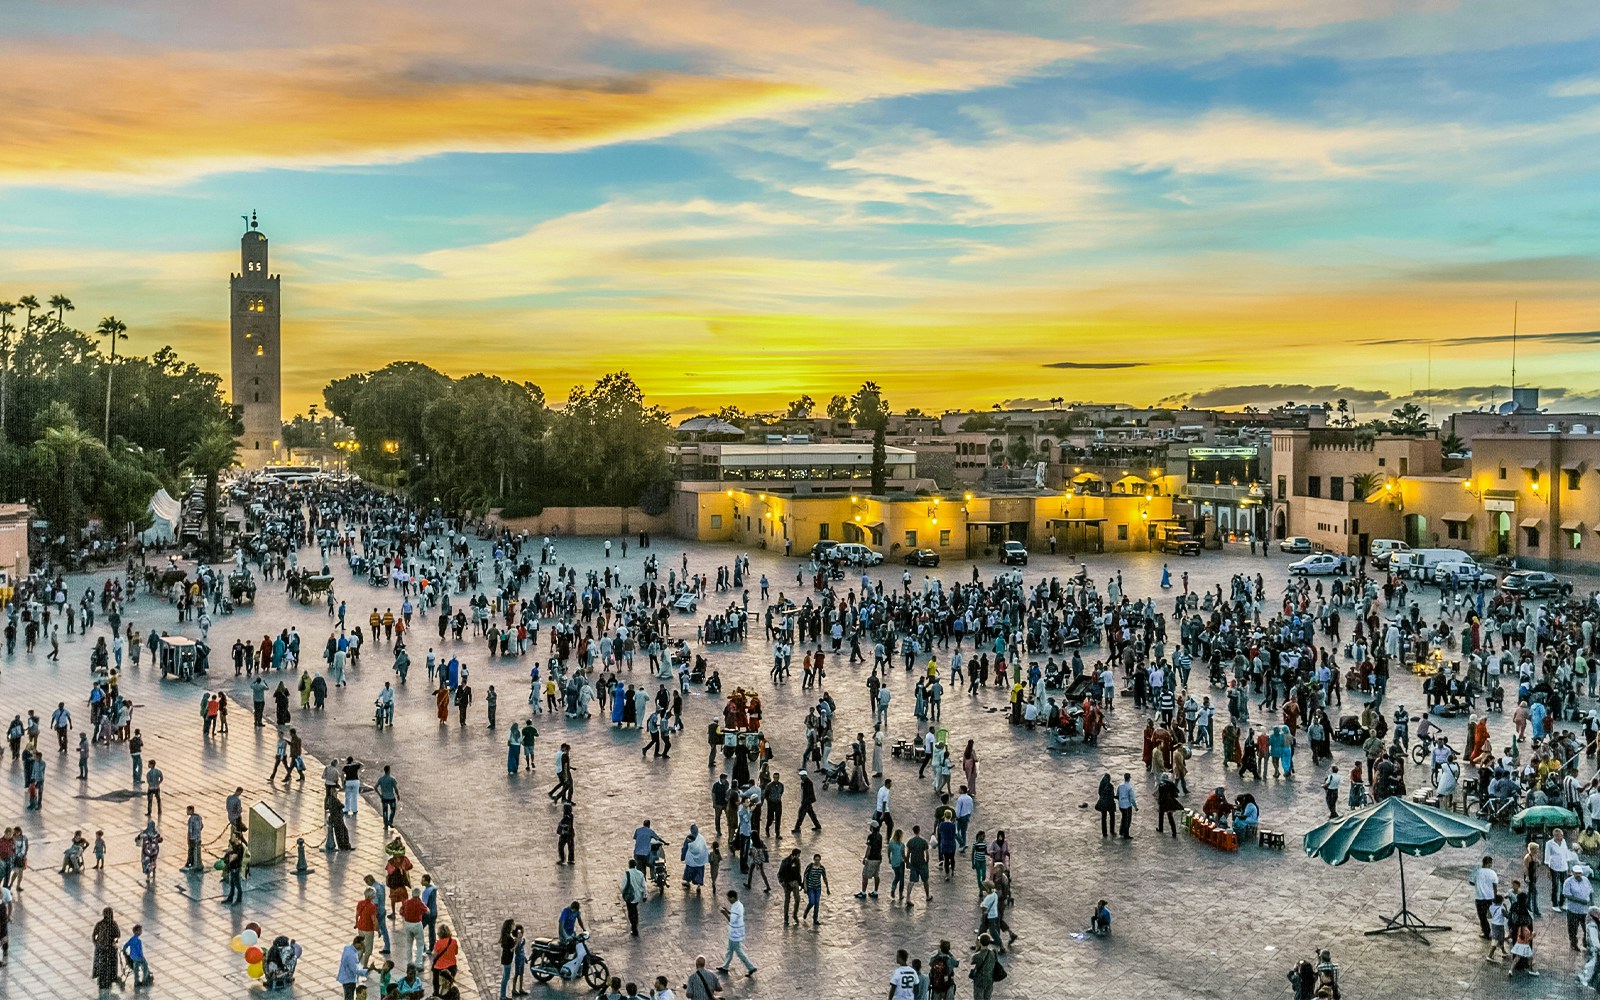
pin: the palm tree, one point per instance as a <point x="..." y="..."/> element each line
<point x="1366" y="484"/>
<point x="6" y="310"/>
<point x="213" y="453"/>
<point x="30" y="303"/>
<point x="114" y="330"/>
<point x="64" y="442"/>
<point x="62" y="305"/>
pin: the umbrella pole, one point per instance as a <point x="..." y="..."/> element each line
<point x="1406" y="920"/>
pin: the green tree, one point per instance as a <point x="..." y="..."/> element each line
<point x="839" y="407"/>
<point x="58" y="455"/>
<point x="801" y="408"/>
<point x="7" y="310"/>
<point x="385" y="409"/>
<point x="608" y="445"/>
<point x="734" y="415"/>
<point x="1366" y="484"/>
<point x="213" y="453"/>
<point x="1408" y="419"/>
<point x="1019" y="450"/>
<point x="113" y="330"/>
<point x="871" y="411"/>
<point x="62" y="305"/>
<point x="483" y="439"/>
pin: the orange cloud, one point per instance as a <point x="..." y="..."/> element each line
<point x="160" y="116"/>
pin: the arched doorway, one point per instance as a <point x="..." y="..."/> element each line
<point x="1281" y="529"/>
<point x="1502" y="533"/>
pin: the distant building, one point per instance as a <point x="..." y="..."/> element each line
<point x="788" y="466"/>
<point x="256" y="329"/>
<point x="14" y="521"/>
<point x="1316" y="480"/>
<point x="1521" y="415"/>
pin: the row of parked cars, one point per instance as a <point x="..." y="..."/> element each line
<point x="1436" y="565"/>
<point x="856" y="554"/>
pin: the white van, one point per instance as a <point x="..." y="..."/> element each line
<point x="856" y="554"/>
<point x="1418" y="564"/>
<point x="1383" y="549"/>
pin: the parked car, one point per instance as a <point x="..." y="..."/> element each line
<point x="823" y="551"/>
<point x="857" y="554"/>
<point x="1320" y="564"/>
<point x="1298" y="543"/>
<point x="1013" y="554"/>
<point x="1180" y="542"/>
<point x="1534" y="583"/>
<point x="1383" y="549"/>
<point x="923" y="557"/>
<point x="1464" y="572"/>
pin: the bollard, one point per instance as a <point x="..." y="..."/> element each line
<point x="301" y="868"/>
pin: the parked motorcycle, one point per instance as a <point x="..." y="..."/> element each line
<point x="549" y="959"/>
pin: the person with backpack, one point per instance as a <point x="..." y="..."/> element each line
<point x="942" y="973"/>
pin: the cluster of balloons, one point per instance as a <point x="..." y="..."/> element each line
<point x="248" y="943"/>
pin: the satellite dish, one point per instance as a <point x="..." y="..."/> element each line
<point x="1507" y="408"/>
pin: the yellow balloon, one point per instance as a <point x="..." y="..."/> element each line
<point x="237" y="944"/>
<point x="256" y="971"/>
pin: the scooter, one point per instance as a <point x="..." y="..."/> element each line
<point x="548" y="959"/>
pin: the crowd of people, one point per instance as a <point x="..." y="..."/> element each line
<point x="1231" y="673"/>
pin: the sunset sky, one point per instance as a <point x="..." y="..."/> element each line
<point x="972" y="201"/>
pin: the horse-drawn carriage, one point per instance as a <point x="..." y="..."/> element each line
<point x="242" y="586"/>
<point x="313" y="586"/>
<point x="161" y="581"/>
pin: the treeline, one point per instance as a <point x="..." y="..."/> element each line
<point x="482" y="441"/>
<point x="87" y="432"/>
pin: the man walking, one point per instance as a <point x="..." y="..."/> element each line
<point x="1485" y="882"/>
<point x="388" y="796"/>
<point x="1126" y="804"/>
<point x="734" y="911"/>
<point x="789" y="879"/>
<point x="1330" y="790"/>
<point x="808" y="803"/>
<point x="632" y="893"/>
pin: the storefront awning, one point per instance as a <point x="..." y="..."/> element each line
<point x="1531" y="463"/>
<point x="1571" y="525"/>
<point x="1080" y="520"/>
<point x="1531" y="522"/>
<point x="985" y="524"/>
<point x="1573" y="465"/>
<point x="1458" y="516"/>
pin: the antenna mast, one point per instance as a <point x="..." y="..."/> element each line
<point x="1514" y="349"/>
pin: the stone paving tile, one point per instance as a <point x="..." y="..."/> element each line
<point x="1190" y="921"/>
<point x="187" y="929"/>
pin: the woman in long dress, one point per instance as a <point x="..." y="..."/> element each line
<point x="106" y="935"/>
<point x="441" y="702"/>
<point x="969" y="765"/>
<point x="149" y="850"/>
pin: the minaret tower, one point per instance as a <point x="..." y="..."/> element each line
<point x="257" y="363"/>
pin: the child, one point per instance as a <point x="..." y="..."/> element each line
<point x="519" y="961"/>
<point x="99" y="850"/>
<point x="1497" y="928"/>
<point x="713" y="863"/>
<point x="1522" y="951"/>
<point x="72" y="857"/>
<point x="1100" y="923"/>
<point x="133" y="951"/>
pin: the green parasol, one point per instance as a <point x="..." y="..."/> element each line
<point x="1390" y="826"/>
<point x="1544" y="818"/>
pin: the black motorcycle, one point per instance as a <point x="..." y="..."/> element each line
<point x="549" y="959"/>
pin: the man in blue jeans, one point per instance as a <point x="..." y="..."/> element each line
<point x="379" y="894"/>
<point x="964" y="806"/>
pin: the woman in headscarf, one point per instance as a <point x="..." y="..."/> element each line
<point x="1106" y="804"/>
<point x="106" y="935"/>
<point x="694" y="854"/>
<point x="149" y="850"/>
<point x="969" y="764"/>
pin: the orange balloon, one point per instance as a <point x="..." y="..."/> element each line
<point x="254" y="956"/>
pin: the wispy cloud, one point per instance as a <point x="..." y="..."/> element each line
<point x="1096" y="365"/>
